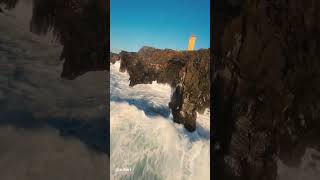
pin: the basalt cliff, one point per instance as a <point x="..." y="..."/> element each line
<point x="81" y="26"/>
<point x="187" y="72"/>
<point x="265" y="85"/>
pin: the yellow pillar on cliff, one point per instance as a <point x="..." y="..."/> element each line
<point x="192" y="42"/>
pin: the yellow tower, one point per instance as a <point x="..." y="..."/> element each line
<point x="192" y="42"/>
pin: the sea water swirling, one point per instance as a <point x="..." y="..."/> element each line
<point x="145" y="142"/>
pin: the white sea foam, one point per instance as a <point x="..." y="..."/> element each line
<point x="145" y="143"/>
<point x="308" y="169"/>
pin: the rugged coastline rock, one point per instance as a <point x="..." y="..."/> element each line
<point x="78" y="25"/>
<point x="187" y="72"/>
<point x="266" y="85"/>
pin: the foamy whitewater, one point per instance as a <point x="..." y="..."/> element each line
<point x="145" y="142"/>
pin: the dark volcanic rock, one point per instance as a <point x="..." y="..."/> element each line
<point x="114" y="57"/>
<point x="266" y="85"/>
<point x="151" y="64"/>
<point x="186" y="72"/>
<point x="81" y="27"/>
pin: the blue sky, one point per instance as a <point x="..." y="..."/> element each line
<point x="159" y="23"/>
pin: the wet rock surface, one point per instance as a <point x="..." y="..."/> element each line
<point x="266" y="85"/>
<point x="187" y="72"/>
<point x="79" y="25"/>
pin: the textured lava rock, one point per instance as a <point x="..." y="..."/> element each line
<point x="80" y="25"/>
<point x="187" y="72"/>
<point x="114" y="57"/>
<point x="266" y="85"/>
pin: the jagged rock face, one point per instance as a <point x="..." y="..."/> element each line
<point x="114" y="57"/>
<point x="192" y="93"/>
<point x="266" y="85"/>
<point x="186" y="72"/>
<point x="81" y="27"/>
<point x="151" y="64"/>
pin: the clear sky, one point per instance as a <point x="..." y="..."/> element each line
<point x="159" y="23"/>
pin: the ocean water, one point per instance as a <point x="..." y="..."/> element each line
<point x="46" y="123"/>
<point x="145" y="143"/>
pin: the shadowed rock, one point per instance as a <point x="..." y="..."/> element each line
<point x="186" y="72"/>
<point x="266" y="85"/>
<point x="79" y="25"/>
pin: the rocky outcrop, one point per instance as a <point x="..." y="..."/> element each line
<point x="82" y="28"/>
<point x="114" y="57"/>
<point x="187" y="72"/>
<point x="266" y="85"/>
